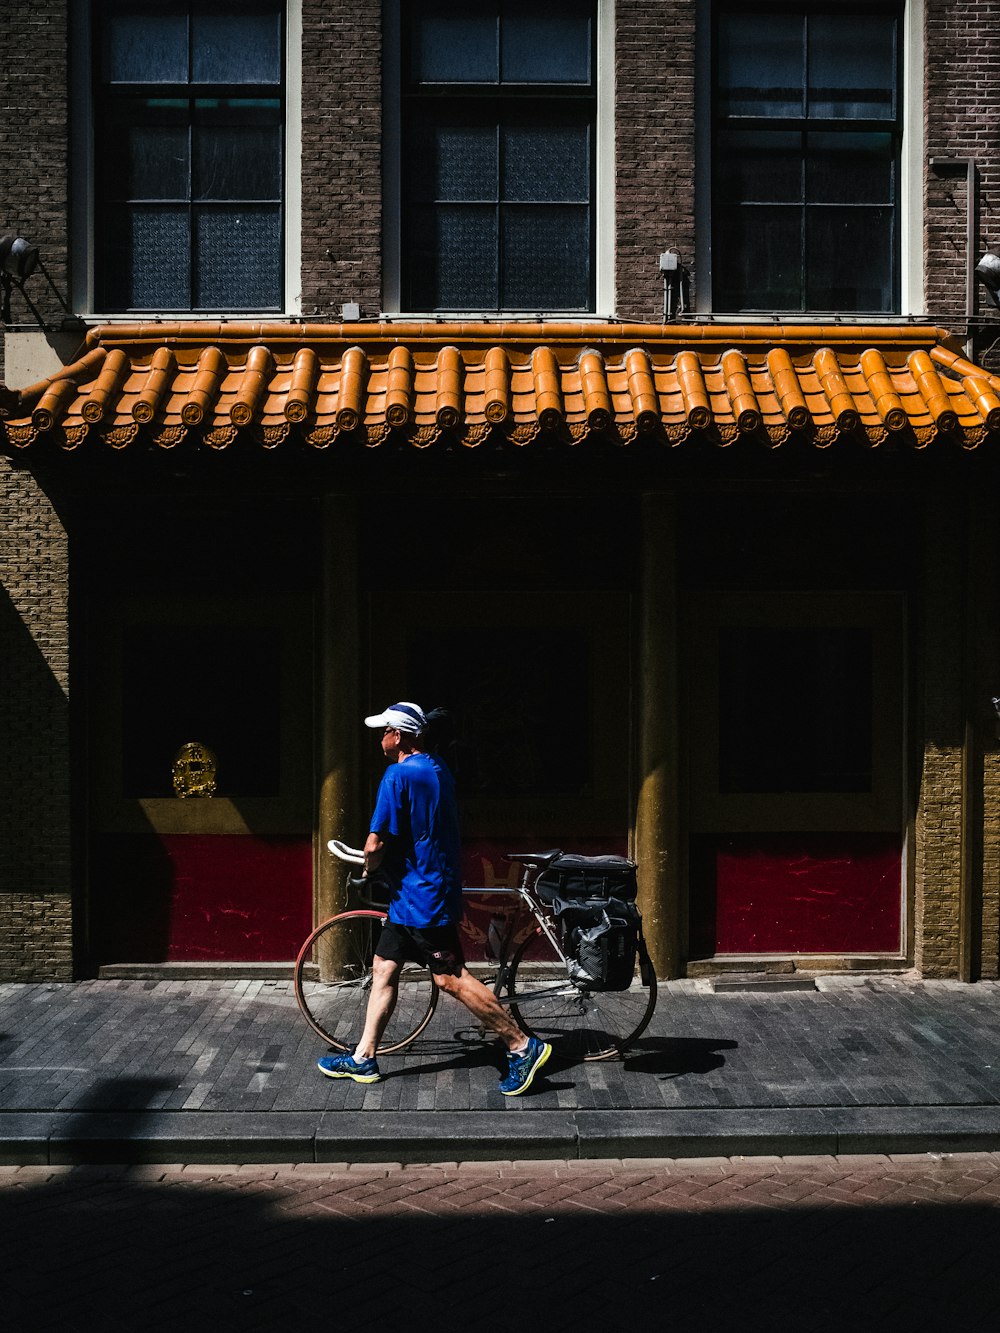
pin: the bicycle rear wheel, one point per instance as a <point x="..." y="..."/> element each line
<point x="333" y="978"/>
<point x="581" y="1024"/>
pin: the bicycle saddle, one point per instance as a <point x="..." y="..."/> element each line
<point x="537" y="860"/>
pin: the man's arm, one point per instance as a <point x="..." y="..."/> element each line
<point x="374" y="853"/>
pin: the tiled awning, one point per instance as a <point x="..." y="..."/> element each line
<point x="416" y="384"/>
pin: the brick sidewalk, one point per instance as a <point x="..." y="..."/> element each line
<point x="771" y="1244"/>
<point x="187" y="1053"/>
<point x="242" y="1046"/>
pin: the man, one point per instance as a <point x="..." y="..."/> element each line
<point x="414" y="841"/>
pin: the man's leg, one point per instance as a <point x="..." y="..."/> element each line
<point x="525" y="1055"/>
<point x="481" y="1002"/>
<point x="362" y="1066"/>
<point x="381" y="1003"/>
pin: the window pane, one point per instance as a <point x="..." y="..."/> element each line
<point x="454" y="162"/>
<point x="453" y="258"/>
<point x="141" y="46"/>
<point x="546" y="162"/>
<point x="795" y="710"/>
<point x="235" y="43"/>
<point x="852" y="66"/>
<point x="547" y="45"/>
<point x="761" y="64"/>
<point x="448" y="44"/>
<point x="762" y="166"/>
<point x="850" y="168"/>
<point x="165" y="147"/>
<point x="465" y="157"/>
<point x="236" y="161"/>
<point x="154" y="163"/>
<point x="849" y="255"/>
<point x="236" y="258"/>
<point x="546" y="258"/>
<point x="146" y="261"/>
<point x="757" y="260"/>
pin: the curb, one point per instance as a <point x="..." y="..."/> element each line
<point x="66" y="1138"/>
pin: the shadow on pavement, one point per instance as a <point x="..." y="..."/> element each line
<point x="474" y="1052"/>
<point x="443" y="1055"/>
<point x="122" y="1094"/>
<point x="664" y="1057"/>
<point x="85" y="1253"/>
<point x="669" y="1057"/>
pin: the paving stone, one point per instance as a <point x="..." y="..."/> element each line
<point x="911" y="1061"/>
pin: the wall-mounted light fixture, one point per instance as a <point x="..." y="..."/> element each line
<point x="988" y="273"/>
<point x="18" y="257"/>
<point x="18" y="261"/>
<point x="675" y="282"/>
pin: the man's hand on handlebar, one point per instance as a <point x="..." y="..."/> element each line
<point x="374" y="853"/>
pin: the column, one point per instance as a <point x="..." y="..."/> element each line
<point x="339" y="696"/>
<point x="657" y="836"/>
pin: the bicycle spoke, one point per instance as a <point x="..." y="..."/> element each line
<point x="333" y="982"/>
<point x="582" y="1024"/>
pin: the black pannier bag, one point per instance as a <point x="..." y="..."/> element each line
<point x="600" y="937"/>
<point x="587" y="877"/>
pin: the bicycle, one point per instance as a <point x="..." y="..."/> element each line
<point x="532" y="975"/>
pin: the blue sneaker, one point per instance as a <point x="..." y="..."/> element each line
<point x="521" y="1069"/>
<point x="345" y="1066"/>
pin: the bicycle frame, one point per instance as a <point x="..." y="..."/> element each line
<point x="596" y="1023"/>
<point x="537" y="910"/>
<point x="523" y="891"/>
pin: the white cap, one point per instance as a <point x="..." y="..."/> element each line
<point x="403" y="716"/>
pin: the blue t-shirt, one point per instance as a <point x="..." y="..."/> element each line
<point x="416" y="804"/>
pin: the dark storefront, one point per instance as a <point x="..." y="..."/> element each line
<point x="675" y="599"/>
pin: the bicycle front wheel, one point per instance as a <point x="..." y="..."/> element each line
<point x="581" y="1024"/>
<point x="333" y="980"/>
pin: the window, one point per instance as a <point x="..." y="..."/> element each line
<point x="806" y="158"/>
<point x="189" y="155"/>
<point x="498" y="114"/>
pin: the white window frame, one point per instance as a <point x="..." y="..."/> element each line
<point x="911" y="181"/>
<point x="604" y="177"/>
<point x="83" y="192"/>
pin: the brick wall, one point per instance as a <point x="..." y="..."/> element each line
<point x="654" y="147"/>
<point x="940" y="871"/>
<point x="34" y="142"/>
<point x="35" y="897"/>
<point x="341" y="157"/>
<point x="35" y="900"/>
<point x="962" y="103"/>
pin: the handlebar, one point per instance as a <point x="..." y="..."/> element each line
<point x="352" y="855"/>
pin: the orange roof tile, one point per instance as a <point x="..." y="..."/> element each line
<point x="416" y="383"/>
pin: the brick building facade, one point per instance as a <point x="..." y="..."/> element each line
<point x="132" y="547"/>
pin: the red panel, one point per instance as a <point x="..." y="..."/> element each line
<point x="238" y="899"/>
<point x="200" y="897"/>
<point x="797" y="893"/>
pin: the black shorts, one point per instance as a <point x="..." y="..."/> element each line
<point x="436" y="947"/>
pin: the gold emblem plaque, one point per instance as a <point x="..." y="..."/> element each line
<point x="193" y="770"/>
